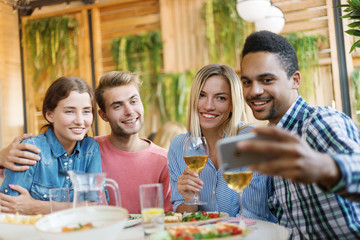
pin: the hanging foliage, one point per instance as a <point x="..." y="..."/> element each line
<point x="307" y="50"/>
<point x="172" y="92"/>
<point x="355" y="80"/>
<point x="225" y="31"/>
<point x="51" y="45"/>
<point x="142" y="54"/>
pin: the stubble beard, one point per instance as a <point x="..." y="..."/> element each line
<point x="121" y="132"/>
<point x="269" y="116"/>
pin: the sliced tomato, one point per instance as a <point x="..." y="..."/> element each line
<point x="188" y="238"/>
<point x="193" y="220"/>
<point x="204" y="213"/>
<point x="213" y="215"/>
<point x="236" y="231"/>
<point x="180" y="234"/>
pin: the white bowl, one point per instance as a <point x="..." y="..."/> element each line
<point x="107" y="221"/>
<point x="12" y="231"/>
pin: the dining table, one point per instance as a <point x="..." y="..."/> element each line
<point x="133" y="230"/>
<point x="261" y="230"/>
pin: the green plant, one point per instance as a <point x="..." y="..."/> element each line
<point x="355" y="80"/>
<point x="172" y="92"/>
<point x="352" y="10"/>
<point x="141" y="54"/>
<point x="168" y="92"/>
<point x="225" y="31"/>
<point x="51" y="44"/>
<point x="307" y="49"/>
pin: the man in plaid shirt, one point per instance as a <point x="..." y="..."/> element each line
<point x="315" y="154"/>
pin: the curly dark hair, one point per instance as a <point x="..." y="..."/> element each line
<point x="265" y="41"/>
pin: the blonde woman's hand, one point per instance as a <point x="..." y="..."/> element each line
<point x="188" y="183"/>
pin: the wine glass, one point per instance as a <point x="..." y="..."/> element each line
<point x="196" y="153"/>
<point x="238" y="181"/>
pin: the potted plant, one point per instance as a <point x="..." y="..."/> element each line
<point x="352" y="10"/>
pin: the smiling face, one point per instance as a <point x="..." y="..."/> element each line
<point x="214" y="105"/>
<point x="266" y="88"/>
<point x="124" y="110"/>
<point x="71" y="119"/>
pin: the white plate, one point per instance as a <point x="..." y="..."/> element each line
<point x="261" y="230"/>
<point x="109" y="221"/>
<point x="132" y="222"/>
<point x="12" y="231"/>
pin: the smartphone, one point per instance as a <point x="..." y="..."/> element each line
<point x="230" y="158"/>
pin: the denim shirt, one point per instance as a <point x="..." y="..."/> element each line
<point x="51" y="170"/>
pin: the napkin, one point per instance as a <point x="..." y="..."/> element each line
<point x="248" y="222"/>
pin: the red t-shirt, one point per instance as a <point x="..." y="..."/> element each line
<point x="130" y="170"/>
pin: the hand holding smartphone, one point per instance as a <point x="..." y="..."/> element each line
<point x="230" y="158"/>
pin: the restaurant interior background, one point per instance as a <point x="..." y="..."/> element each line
<point x="164" y="40"/>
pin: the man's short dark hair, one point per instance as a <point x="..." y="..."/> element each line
<point x="265" y="41"/>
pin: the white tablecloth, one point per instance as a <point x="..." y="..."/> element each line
<point x="132" y="233"/>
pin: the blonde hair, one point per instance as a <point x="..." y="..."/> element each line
<point x="167" y="132"/>
<point x="230" y="126"/>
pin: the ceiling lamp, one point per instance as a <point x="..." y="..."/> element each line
<point x="252" y="10"/>
<point x="273" y="21"/>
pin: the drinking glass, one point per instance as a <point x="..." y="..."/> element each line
<point x="238" y="181"/>
<point x="59" y="199"/>
<point x="152" y="208"/>
<point x="196" y="153"/>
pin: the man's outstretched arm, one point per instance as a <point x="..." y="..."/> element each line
<point x="18" y="156"/>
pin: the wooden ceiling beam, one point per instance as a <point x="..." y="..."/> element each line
<point x="28" y="7"/>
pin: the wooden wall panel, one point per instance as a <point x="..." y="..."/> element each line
<point x="308" y="16"/>
<point x="183" y="34"/>
<point x="116" y="19"/>
<point x="34" y="97"/>
<point x="316" y="17"/>
<point x="11" y="101"/>
<point x="125" y="18"/>
<point x="184" y="45"/>
<point x="298" y="5"/>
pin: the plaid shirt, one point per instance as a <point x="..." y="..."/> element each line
<point x="309" y="211"/>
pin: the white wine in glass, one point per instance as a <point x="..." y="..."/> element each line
<point x="195" y="153"/>
<point x="196" y="163"/>
<point x="238" y="181"/>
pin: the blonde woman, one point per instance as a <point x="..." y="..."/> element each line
<point x="216" y="110"/>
